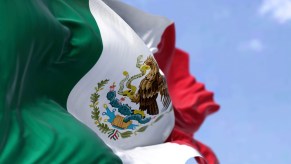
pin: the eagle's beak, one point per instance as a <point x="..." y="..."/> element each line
<point x="144" y="68"/>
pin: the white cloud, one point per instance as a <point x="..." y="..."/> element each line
<point x="280" y="10"/>
<point x="254" y="44"/>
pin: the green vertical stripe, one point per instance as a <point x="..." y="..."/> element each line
<point x="46" y="47"/>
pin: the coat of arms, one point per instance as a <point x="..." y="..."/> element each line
<point x="118" y="118"/>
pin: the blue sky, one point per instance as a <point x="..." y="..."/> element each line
<point x="241" y="50"/>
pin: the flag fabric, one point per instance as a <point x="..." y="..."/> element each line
<point x="46" y="47"/>
<point x="191" y="101"/>
<point x="97" y="82"/>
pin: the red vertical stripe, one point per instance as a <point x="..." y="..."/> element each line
<point x="191" y="101"/>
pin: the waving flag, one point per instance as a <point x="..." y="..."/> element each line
<point x="192" y="102"/>
<point x="74" y="69"/>
<point x="46" y="47"/>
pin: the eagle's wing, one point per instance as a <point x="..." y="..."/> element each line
<point x="148" y="93"/>
<point x="163" y="89"/>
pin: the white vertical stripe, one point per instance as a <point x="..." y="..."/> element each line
<point x="149" y="27"/>
<point x="167" y="153"/>
<point x="121" y="47"/>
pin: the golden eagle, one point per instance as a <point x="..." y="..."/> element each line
<point x="150" y="87"/>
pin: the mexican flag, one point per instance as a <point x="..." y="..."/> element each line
<point x="97" y="82"/>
